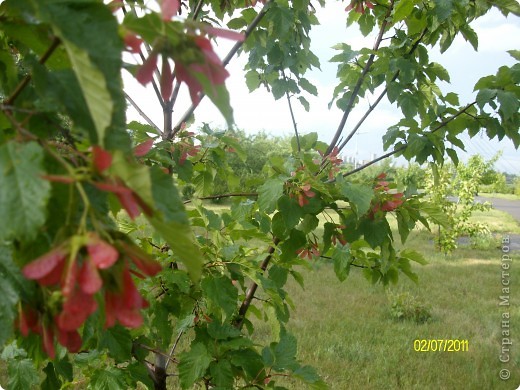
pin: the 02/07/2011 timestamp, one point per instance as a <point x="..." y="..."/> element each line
<point x="440" y="345"/>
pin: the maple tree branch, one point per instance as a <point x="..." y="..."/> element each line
<point x="20" y="87"/>
<point x="228" y="195"/>
<point x="380" y="97"/>
<point x="295" y="126"/>
<point x="225" y="62"/>
<point x="403" y="147"/>
<point x="142" y="113"/>
<point x="250" y="293"/>
<point x="357" y="87"/>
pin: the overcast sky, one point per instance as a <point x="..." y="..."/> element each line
<point x="259" y="111"/>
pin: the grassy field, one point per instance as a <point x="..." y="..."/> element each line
<point x="348" y="332"/>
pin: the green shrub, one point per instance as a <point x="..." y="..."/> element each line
<point x="406" y="307"/>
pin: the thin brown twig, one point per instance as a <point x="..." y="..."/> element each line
<point x="295" y="126"/>
<point x="228" y="195"/>
<point x="250" y="294"/>
<point x="142" y="113"/>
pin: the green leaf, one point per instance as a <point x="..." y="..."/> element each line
<point x="341" y="257"/>
<point x="509" y="103"/>
<point x="443" y="9"/>
<point x="222" y="331"/>
<point x="280" y="19"/>
<point x="279" y="88"/>
<point x="484" y="96"/>
<point x="268" y="194"/>
<point x="218" y="94"/>
<point x="453" y="155"/>
<point x="290" y="211"/>
<point x="193" y="364"/>
<point x="359" y="196"/>
<point x="23" y="193"/>
<point x="309" y="375"/>
<point x="7" y="305"/>
<point x="306" y="105"/>
<point x="220" y="291"/>
<point x="252" y="80"/>
<point x="306" y="85"/>
<point x="403" y="10"/>
<point x="375" y="231"/>
<point x="182" y="242"/>
<point x="285" y="353"/>
<point x="107" y="378"/>
<point x="413" y="255"/>
<point x="167" y="199"/>
<point x="118" y="341"/>
<point x="452" y="98"/>
<point x="222" y="374"/>
<point x="94" y="88"/>
<point x="409" y="104"/>
<point x="22" y="374"/>
<point x="469" y="35"/>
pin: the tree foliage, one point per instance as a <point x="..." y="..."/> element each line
<point x="102" y="261"/>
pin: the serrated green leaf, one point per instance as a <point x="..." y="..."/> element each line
<point x="94" y="88"/>
<point x="118" y="341"/>
<point x="290" y="210"/>
<point x="440" y="71"/>
<point x="341" y="257"/>
<point x="453" y="155"/>
<point x="193" y="364"/>
<point x="7" y="307"/>
<point x="484" y="96"/>
<point x="285" y="353"/>
<point x="307" y="86"/>
<point x="22" y="374"/>
<point x="279" y="87"/>
<point x="23" y="193"/>
<point x="220" y="291"/>
<point x="222" y="331"/>
<point x="280" y="19"/>
<point x="306" y="105"/>
<point x="403" y="9"/>
<point x="309" y="375"/>
<point x="107" y="379"/>
<point x="452" y="98"/>
<point x="359" y="196"/>
<point x="167" y="199"/>
<point x="443" y="9"/>
<point x="509" y="103"/>
<point x="218" y="94"/>
<point x="375" y="231"/>
<point x="413" y="255"/>
<point x="222" y="374"/>
<point x="470" y="35"/>
<point x="409" y="104"/>
<point x="269" y="193"/>
<point x="182" y="242"/>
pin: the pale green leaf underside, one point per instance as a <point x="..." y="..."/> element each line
<point x="94" y="87"/>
